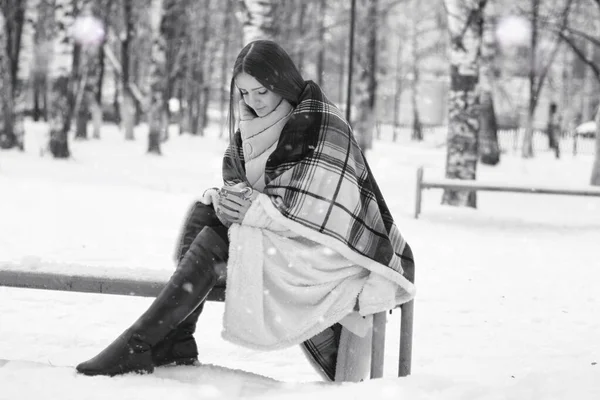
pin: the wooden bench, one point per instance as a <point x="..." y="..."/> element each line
<point x="106" y="281"/>
<point x="458" y="184"/>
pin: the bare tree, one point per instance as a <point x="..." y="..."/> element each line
<point x="572" y="36"/>
<point x="366" y="85"/>
<point x="537" y="75"/>
<point x="258" y="18"/>
<point x="465" y="23"/>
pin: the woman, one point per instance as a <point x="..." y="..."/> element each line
<point x="310" y="247"/>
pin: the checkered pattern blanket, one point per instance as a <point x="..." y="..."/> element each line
<point x="318" y="177"/>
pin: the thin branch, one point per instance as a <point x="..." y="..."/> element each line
<point x="579" y="53"/>
<point x="576" y="32"/>
<point x="542" y="76"/>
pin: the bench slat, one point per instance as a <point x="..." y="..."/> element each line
<point x="90" y="284"/>
<point x="458" y="184"/>
<point x="475" y="185"/>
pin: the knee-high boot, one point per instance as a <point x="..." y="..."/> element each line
<point x="179" y="346"/>
<point x="188" y="287"/>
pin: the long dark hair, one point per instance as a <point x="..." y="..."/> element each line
<point x="272" y="67"/>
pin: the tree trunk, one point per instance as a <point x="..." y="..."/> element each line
<point x="128" y="108"/>
<point x="321" y="41"/>
<point x="61" y="89"/>
<point x="417" y="126"/>
<point x="465" y="21"/>
<point x="60" y="118"/>
<point x="397" y="90"/>
<point x="157" y="112"/>
<point x="489" y="149"/>
<point x="7" y="137"/>
<point x="12" y="19"/>
<point x="258" y="19"/>
<point x="88" y="102"/>
<point x="596" y="168"/>
<point x="225" y="65"/>
<point x="206" y="64"/>
<point x="366" y="86"/>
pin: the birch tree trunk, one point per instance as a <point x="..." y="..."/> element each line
<point x="60" y="97"/>
<point x="527" y="148"/>
<point x="87" y="103"/>
<point x="465" y="19"/>
<point x="12" y="13"/>
<point x="489" y="150"/>
<point x="258" y="19"/>
<point x="157" y="111"/>
<point x="364" y="123"/>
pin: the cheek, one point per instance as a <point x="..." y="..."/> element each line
<point x="274" y="100"/>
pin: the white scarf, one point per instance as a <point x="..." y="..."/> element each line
<point x="259" y="137"/>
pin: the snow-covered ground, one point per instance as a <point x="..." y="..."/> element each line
<point x="507" y="304"/>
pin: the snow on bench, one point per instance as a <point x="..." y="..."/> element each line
<point x="148" y="283"/>
<point x="459" y="184"/>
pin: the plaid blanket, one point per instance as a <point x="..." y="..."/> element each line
<point x="318" y="177"/>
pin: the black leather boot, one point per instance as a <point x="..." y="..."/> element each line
<point x="179" y="346"/>
<point x="186" y="290"/>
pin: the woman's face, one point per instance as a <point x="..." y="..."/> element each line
<point x="255" y="95"/>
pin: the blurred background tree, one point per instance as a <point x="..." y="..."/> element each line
<point x="81" y="63"/>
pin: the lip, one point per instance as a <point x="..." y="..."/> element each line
<point x="259" y="109"/>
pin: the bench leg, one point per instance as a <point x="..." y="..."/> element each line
<point x="406" y="334"/>
<point x="419" y="191"/>
<point x="378" y="345"/>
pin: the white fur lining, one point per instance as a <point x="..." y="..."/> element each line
<point x="384" y="290"/>
<point x="305" y="298"/>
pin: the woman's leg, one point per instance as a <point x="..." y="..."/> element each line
<point x="188" y="287"/>
<point x="179" y="346"/>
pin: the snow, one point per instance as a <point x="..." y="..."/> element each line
<point x="507" y="304"/>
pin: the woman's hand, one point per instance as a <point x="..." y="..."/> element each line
<point x="246" y="112"/>
<point x="234" y="202"/>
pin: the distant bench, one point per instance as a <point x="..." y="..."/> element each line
<point x="459" y="184"/>
<point x="80" y="278"/>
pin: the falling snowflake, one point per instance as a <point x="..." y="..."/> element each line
<point x="327" y="251"/>
<point x="188" y="287"/>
